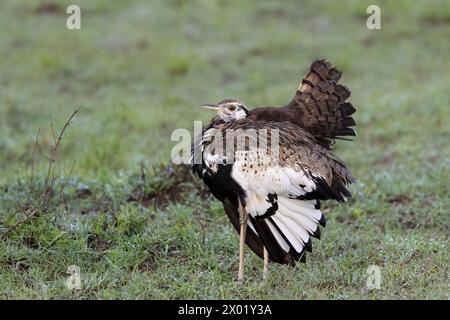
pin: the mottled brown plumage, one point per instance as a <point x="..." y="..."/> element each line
<point x="297" y="147"/>
<point x="279" y="190"/>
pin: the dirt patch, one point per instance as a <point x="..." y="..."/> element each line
<point x="386" y="160"/>
<point x="368" y="41"/>
<point x="173" y="194"/>
<point x="437" y="21"/>
<point x="427" y="201"/>
<point x="83" y="191"/>
<point x="401" y="199"/>
<point x="149" y="265"/>
<point x="176" y="182"/>
<point x="349" y="220"/>
<point x="20" y="265"/>
<point x="49" y="8"/>
<point x="274" y="12"/>
<point x="31" y="242"/>
<point x="408" y="220"/>
<point x="95" y="243"/>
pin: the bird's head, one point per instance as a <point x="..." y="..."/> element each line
<point x="228" y="110"/>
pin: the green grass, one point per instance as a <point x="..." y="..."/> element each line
<point x="139" y="69"/>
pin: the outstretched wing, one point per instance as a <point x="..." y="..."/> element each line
<point x="280" y="188"/>
<point x="325" y="112"/>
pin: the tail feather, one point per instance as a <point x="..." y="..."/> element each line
<point x="277" y="249"/>
<point x="287" y="233"/>
<point x="291" y="231"/>
<point x="307" y="208"/>
<point x="322" y="101"/>
<point x="346" y="122"/>
<point x="347" y="109"/>
<point x="301" y="219"/>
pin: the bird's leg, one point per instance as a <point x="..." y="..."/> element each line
<point x="266" y="264"/>
<point x="243" y="222"/>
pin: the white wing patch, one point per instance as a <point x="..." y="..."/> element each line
<point x="297" y="221"/>
<point x="291" y="232"/>
<point x="306" y="207"/>
<point x="283" y="244"/>
<point x="298" y="217"/>
<point x="259" y="174"/>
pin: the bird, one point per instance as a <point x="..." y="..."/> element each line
<point x="271" y="188"/>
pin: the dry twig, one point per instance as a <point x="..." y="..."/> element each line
<point x="30" y="209"/>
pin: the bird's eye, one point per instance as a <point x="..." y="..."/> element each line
<point x="232" y="108"/>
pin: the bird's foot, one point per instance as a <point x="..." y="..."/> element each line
<point x="239" y="279"/>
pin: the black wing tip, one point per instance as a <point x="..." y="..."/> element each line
<point x="317" y="205"/>
<point x="308" y="245"/>
<point x="316" y="234"/>
<point x="303" y="257"/>
<point x="323" y="221"/>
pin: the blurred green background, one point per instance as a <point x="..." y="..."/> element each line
<point x="139" y="69"/>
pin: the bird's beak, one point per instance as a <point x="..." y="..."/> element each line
<point x="210" y="107"/>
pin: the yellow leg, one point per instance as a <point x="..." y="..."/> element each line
<point x="266" y="264"/>
<point x="242" y="234"/>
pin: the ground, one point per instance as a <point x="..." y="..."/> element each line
<point x="138" y="226"/>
